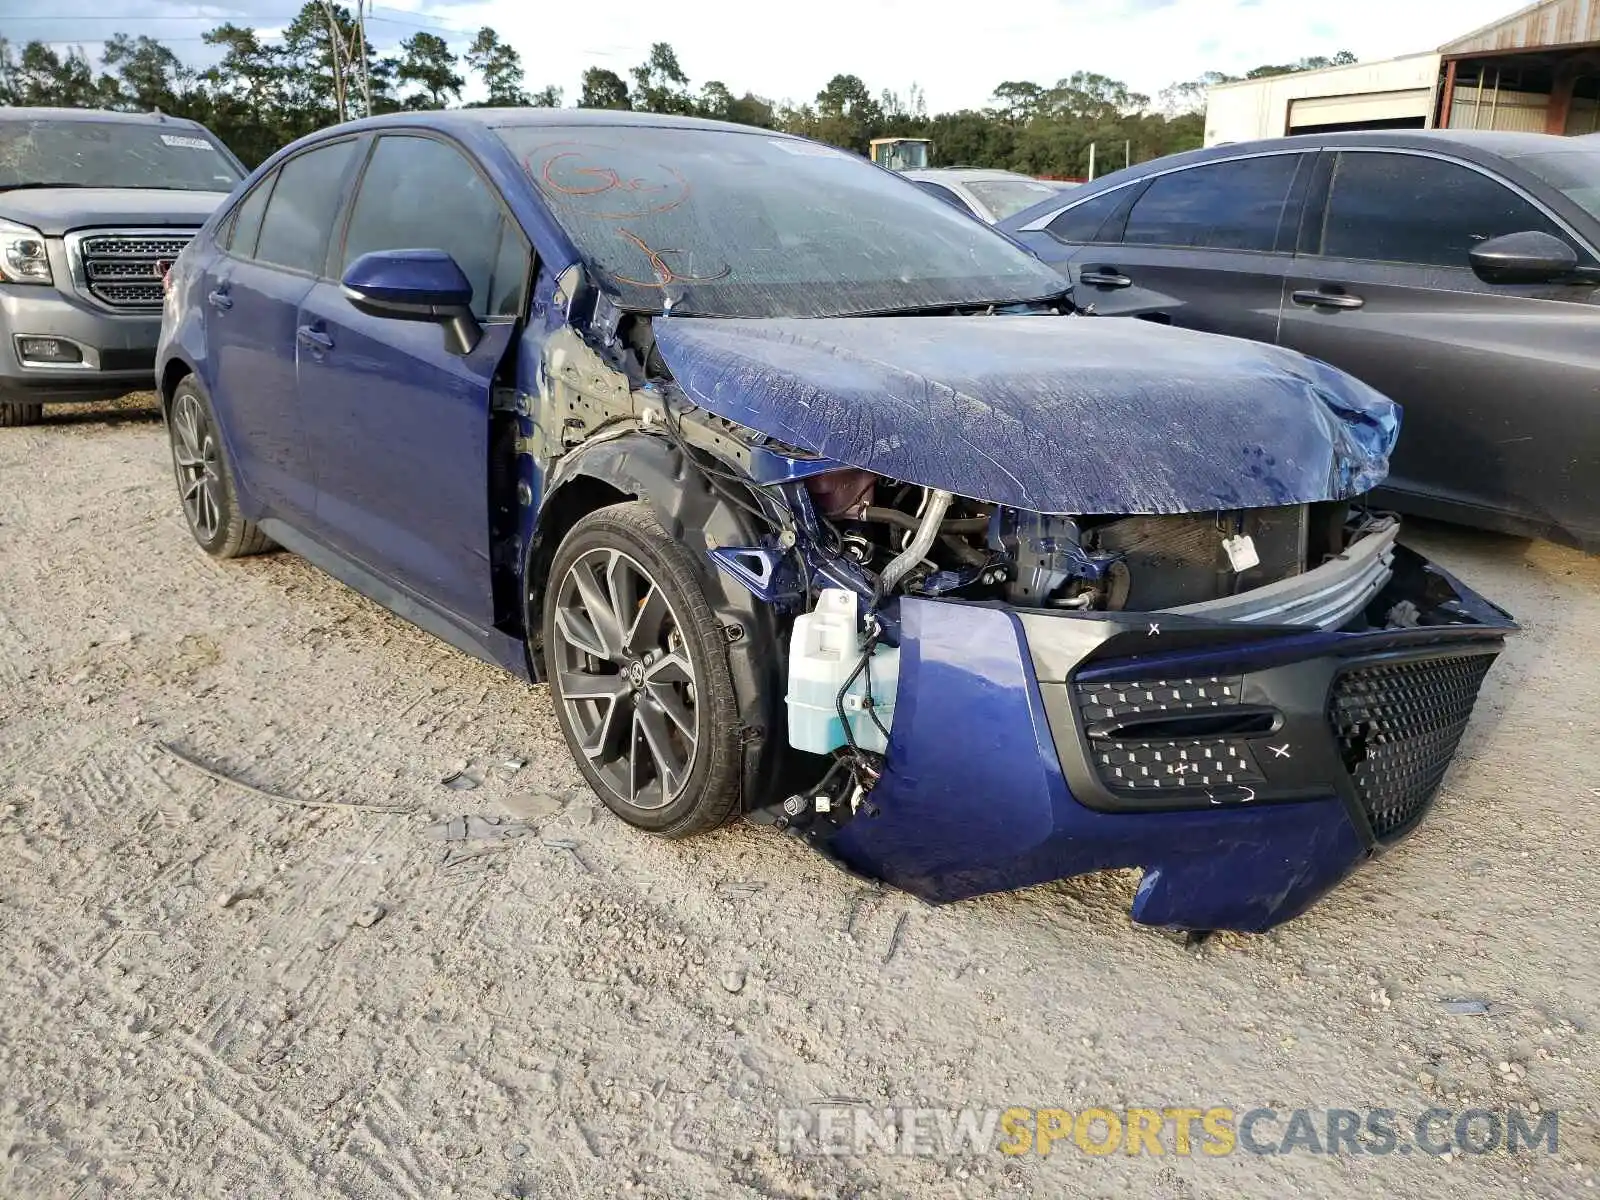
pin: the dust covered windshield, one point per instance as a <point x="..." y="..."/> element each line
<point x="112" y="154"/>
<point x="726" y="223"/>
<point x="1007" y="197"/>
<point x="1575" y="173"/>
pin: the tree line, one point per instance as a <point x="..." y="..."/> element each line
<point x="262" y="94"/>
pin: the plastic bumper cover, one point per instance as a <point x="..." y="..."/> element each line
<point x="990" y="780"/>
<point x="118" y="350"/>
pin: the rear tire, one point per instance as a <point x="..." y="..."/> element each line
<point x="20" y="414"/>
<point x="639" y="674"/>
<point x="205" y="477"/>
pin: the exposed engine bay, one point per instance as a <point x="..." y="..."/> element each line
<point x="983" y="551"/>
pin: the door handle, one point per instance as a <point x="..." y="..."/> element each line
<point x="1317" y="299"/>
<point x="314" y="338"/>
<point x="219" y="299"/>
<point x="1106" y="277"/>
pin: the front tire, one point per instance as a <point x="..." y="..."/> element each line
<point x="20" y="414"/>
<point x="205" y="477"/>
<point x="639" y="674"/>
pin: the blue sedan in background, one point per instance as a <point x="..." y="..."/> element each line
<point x="815" y="501"/>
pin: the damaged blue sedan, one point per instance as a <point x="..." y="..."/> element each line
<point x="815" y="502"/>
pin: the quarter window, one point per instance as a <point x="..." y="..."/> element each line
<point x="245" y="227"/>
<point x="939" y="192"/>
<point x="1086" y="221"/>
<point x="300" y="215"/>
<point x="1409" y="208"/>
<point x="421" y="194"/>
<point x="1234" y="205"/>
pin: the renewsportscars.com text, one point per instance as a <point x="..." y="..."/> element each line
<point x="1214" y="1131"/>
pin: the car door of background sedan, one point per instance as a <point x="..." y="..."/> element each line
<point x="1205" y="247"/>
<point x="399" y="426"/>
<point x="1497" y="382"/>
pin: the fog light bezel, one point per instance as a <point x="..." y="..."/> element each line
<point x="83" y="361"/>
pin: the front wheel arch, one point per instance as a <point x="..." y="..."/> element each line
<point x="174" y="373"/>
<point x="646" y="467"/>
<point x="654" y="724"/>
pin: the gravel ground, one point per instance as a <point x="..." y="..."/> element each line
<point x="208" y="993"/>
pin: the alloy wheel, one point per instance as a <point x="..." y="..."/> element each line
<point x="195" y="459"/>
<point x="625" y="678"/>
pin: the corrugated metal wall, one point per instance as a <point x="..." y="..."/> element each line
<point x="1487" y="108"/>
<point x="1553" y="23"/>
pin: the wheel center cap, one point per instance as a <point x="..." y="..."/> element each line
<point x="636" y="674"/>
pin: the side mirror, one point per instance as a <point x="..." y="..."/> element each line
<point x="415" y="285"/>
<point x="1531" y="257"/>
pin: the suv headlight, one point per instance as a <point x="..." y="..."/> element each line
<point x="22" y="255"/>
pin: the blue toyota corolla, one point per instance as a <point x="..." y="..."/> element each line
<point x="814" y="501"/>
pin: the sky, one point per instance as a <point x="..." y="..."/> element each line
<point x="955" y="52"/>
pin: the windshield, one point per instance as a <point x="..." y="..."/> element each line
<point x="1005" y="197"/>
<point x="1574" y="173"/>
<point x="112" y="154"/>
<point x="755" y="225"/>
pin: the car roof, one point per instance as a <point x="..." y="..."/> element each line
<point x="1474" y="145"/>
<point x="1468" y="143"/>
<point x="515" y="118"/>
<point x="97" y="115"/>
<point x="964" y="174"/>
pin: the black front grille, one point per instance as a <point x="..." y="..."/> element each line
<point x="124" y="270"/>
<point x="1397" y="726"/>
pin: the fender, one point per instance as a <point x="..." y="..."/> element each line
<point x="635" y="465"/>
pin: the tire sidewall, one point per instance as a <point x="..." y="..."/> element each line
<point x="226" y="502"/>
<point x="19" y="413"/>
<point x="715" y="768"/>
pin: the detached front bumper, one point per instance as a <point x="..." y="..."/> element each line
<point x="1245" y="769"/>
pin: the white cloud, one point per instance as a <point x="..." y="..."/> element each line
<point x="956" y="52"/>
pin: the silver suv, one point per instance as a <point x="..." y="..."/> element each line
<point x="94" y="207"/>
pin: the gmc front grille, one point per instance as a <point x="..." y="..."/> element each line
<point x="123" y="271"/>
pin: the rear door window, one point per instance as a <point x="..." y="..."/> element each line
<point x="1234" y="205"/>
<point x="304" y="204"/>
<point x="1409" y="208"/>
<point x="419" y="193"/>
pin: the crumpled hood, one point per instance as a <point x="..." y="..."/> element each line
<point x="1050" y="414"/>
<point x="54" y="211"/>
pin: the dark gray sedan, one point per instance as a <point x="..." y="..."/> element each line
<point x="1456" y="272"/>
